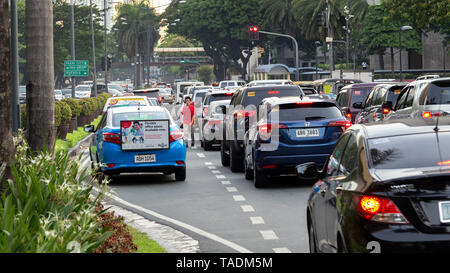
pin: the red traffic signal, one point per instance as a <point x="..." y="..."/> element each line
<point x="253" y="33"/>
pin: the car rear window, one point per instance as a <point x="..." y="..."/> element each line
<point x="393" y="93"/>
<point x="401" y="152"/>
<point x="359" y="94"/>
<point x="436" y="93"/>
<point x="137" y="116"/>
<point x="307" y="112"/>
<point x="199" y="97"/>
<point x="153" y="94"/>
<point x="255" y="96"/>
<point x="216" y="97"/>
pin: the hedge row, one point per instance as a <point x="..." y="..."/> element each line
<point x="69" y="108"/>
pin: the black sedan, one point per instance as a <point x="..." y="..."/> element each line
<point x="384" y="188"/>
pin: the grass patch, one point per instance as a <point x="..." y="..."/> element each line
<point x="145" y="244"/>
<point x="73" y="138"/>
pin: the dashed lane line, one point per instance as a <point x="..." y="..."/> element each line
<point x="247" y="208"/>
<point x="257" y="220"/>
<point x="268" y="235"/>
<point x="281" y="250"/>
<point x="238" y="198"/>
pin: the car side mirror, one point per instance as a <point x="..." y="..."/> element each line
<point x="89" y="129"/>
<point x="358" y="105"/>
<point x="387" y="105"/>
<point x="308" y="171"/>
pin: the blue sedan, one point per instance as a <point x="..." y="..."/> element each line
<point x="293" y="131"/>
<point x="138" y="140"/>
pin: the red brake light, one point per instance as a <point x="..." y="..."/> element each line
<point x="441" y="163"/>
<point x="269" y="166"/>
<point x="386" y="111"/>
<point x="426" y="115"/>
<point x="273" y="92"/>
<point x="175" y="135"/>
<point x="349" y="115"/>
<point x="378" y="209"/>
<point x="111" y="138"/>
<point x="429" y="114"/>
<point x="265" y="130"/>
<point x="345" y="124"/>
<point x="229" y="94"/>
<point x="110" y="165"/>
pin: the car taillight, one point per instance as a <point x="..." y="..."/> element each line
<point x="160" y="99"/>
<point x="265" y="130"/>
<point x="349" y="115"/>
<point x="386" y="111"/>
<point x="229" y="94"/>
<point x="442" y="163"/>
<point x="175" y="135"/>
<point x="205" y="111"/>
<point x="273" y="92"/>
<point x="429" y="114"/>
<point x="344" y="124"/>
<point x="378" y="209"/>
<point x="111" y="138"/>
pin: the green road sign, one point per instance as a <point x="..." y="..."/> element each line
<point x="76" y="68"/>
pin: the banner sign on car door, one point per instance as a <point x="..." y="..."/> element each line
<point x="144" y="134"/>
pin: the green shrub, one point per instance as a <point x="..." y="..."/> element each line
<point x="48" y="208"/>
<point x="58" y="114"/>
<point x="87" y="106"/>
<point x="63" y="113"/>
<point x="74" y="106"/>
<point x="23" y="116"/>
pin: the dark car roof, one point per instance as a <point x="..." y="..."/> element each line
<point x="389" y="128"/>
<point x="360" y="85"/>
<point x="146" y="90"/>
<point x="293" y="99"/>
<point x="270" y="87"/>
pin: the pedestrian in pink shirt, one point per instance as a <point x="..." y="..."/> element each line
<point x="188" y="121"/>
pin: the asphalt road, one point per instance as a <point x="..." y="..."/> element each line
<point x="221" y="209"/>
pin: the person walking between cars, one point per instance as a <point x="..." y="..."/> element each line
<point x="188" y="121"/>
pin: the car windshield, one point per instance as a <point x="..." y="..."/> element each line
<point x="360" y="94"/>
<point x="396" y="153"/>
<point x="255" y="96"/>
<point x="137" y="116"/>
<point x="298" y="112"/>
<point x="83" y="88"/>
<point x="436" y="93"/>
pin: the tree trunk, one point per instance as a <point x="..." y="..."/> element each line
<point x="6" y="141"/>
<point x="40" y="74"/>
<point x="392" y="63"/>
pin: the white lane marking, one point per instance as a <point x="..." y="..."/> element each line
<point x="211" y="167"/>
<point x="225" y="182"/>
<point x="220" y="176"/>
<point x="257" y="220"/>
<point x="181" y="224"/>
<point x="231" y="189"/>
<point x="247" y="208"/>
<point x="281" y="250"/>
<point x="268" y="235"/>
<point x="200" y="155"/>
<point x="208" y="163"/>
<point x="238" y="198"/>
<point x="216" y="172"/>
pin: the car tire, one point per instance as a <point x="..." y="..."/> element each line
<point x="259" y="178"/>
<point x="248" y="172"/>
<point x="180" y="174"/>
<point x="236" y="162"/>
<point x="223" y="156"/>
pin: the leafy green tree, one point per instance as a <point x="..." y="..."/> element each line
<point x="205" y="74"/>
<point x="423" y="15"/>
<point x="377" y="35"/>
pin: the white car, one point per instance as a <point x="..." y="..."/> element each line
<point x="270" y="82"/>
<point x="82" y="91"/>
<point x="58" y="94"/>
<point x="224" y="84"/>
<point x="127" y="101"/>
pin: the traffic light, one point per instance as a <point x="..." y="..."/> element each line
<point x="253" y="33"/>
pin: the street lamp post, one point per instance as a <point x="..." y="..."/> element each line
<point x="93" y="52"/>
<point x="106" y="45"/>
<point x="400" y="29"/>
<point x="72" y="42"/>
<point x="15" y="67"/>
<point x="317" y="60"/>
<point x="348" y="16"/>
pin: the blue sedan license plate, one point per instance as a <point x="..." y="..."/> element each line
<point x="144" y="158"/>
<point x="444" y="211"/>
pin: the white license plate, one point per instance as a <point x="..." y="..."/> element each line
<point x="307" y="133"/>
<point x="444" y="211"/>
<point x="144" y="158"/>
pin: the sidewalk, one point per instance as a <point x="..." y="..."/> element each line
<point x="170" y="239"/>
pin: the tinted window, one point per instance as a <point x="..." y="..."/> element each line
<point x="199" y="97"/>
<point x="298" y="112"/>
<point x="359" y="94"/>
<point x="350" y="158"/>
<point x="308" y="91"/>
<point x="410" y="98"/>
<point x="401" y="100"/>
<point x="393" y="93"/>
<point x="138" y="116"/>
<point x="370" y="98"/>
<point x="335" y="157"/>
<point x="148" y="94"/>
<point x="255" y="96"/>
<point x="402" y="152"/>
<point x="342" y="99"/>
<point x="436" y="93"/>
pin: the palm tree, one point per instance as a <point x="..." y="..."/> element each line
<point x="6" y="142"/>
<point x="41" y="130"/>
<point x="280" y="14"/>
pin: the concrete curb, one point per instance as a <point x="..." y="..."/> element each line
<point x="74" y="150"/>
<point x="170" y="239"/>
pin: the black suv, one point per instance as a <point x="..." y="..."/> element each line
<point x="379" y="103"/>
<point x="243" y="107"/>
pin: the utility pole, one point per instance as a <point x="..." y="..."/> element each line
<point x="330" y="35"/>
<point x="72" y="42"/>
<point x="106" y="45"/>
<point x="94" y="68"/>
<point x="15" y="68"/>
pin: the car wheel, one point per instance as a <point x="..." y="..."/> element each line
<point x="248" y="172"/>
<point x="223" y="156"/>
<point x="236" y="162"/>
<point x="259" y="178"/>
<point x="312" y="238"/>
<point x="180" y="174"/>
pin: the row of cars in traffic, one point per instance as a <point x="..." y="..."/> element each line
<point x="378" y="155"/>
